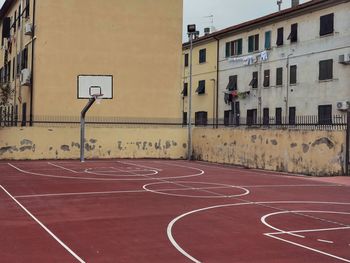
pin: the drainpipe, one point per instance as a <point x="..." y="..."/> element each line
<point x="32" y="67"/>
<point x="217" y="82"/>
<point x="214" y="104"/>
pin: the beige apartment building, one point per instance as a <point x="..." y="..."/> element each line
<point x="204" y="82"/>
<point x="46" y="44"/>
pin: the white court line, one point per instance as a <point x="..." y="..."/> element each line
<point x="64" y="168"/>
<point x="140" y="165"/>
<point x="325" y="241"/>
<point x="175" y="220"/>
<point x="81" y="193"/>
<point x="308" y="248"/>
<point x="44" y="227"/>
<point x="311" y="230"/>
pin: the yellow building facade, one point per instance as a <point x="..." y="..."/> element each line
<point x="204" y="82"/>
<point x="137" y="42"/>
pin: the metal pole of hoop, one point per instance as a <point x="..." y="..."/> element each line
<point x="82" y="124"/>
<point x="192" y="33"/>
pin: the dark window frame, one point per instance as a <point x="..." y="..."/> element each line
<point x="325" y="114"/>
<point x="232" y="83"/>
<point x="201" y="87"/>
<point x="279" y="76"/>
<point x="253" y="43"/>
<point x="185" y="90"/>
<point x="255" y="80"/>
<point x="280" y="37"/>
<point x="186" y="60"/>
<point x="266" y="78"/>
<point x="293" y="36"/>
<point x="327" y="24"/>
<point x="201" y="118"/>
<point x="325" y="70"/>
<point x="202" y="55"/>
<point x="293" y="74"/>
<point x="234" y="48"/>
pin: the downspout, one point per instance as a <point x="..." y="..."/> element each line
<point x="32" y="68"/>
<point x="217" y="82"/>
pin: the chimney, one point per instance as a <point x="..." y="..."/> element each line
<point x="295" y="3"/>
<point x="206" y="31"/>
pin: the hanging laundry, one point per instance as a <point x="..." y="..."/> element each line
<point x="264" y="55"/>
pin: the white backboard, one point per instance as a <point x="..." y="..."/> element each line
<point x="89" y="85"/>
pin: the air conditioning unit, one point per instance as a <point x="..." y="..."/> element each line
<point x="343" y="105"/>
<point x="28" y="29"/>
<point x="344" y="59"/>
<point x="25" y="77"/>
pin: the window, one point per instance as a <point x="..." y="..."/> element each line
<point x="24" y="61"/>
<point x="24" y="114"/>
<point x="185" y="90"/>
<point x="278" y="115"/>
<point x="228" y="117"/>
<point x="268" y="40"/>
<point x="232" y="83"/>
<point x="279" y="76"/>
<point x="202" y="55"/>
<point x="266" y="78"/>
<point x="251" y="117"/>
<point x="293" y="36"/>
<point x="266" y="116"/>
<point x="326" y="24"/>
<point x="6" y="27"/>
<point x="27" y="9"/>
<point x="186" y="60"/>
<point x="293" y="75"/>
<point x="13" y="68"/>
<point x="9" y="71"/>
<point x="279" y="41"/>
<point x="234" y="48"/>
<point x="325" y="114"/>
<point x="254" y="81"/>
<point x="17" y="64"/>
<point x="201" y="87"/>
<point x="292" y="111"/>
<point x="253" y="43"/>
<point x="184" y="118"/>
<point x="201" y="118"/>
<point x="326" y="69"/>
<point x="19" y="16"/>
<point x="14" y="22"/>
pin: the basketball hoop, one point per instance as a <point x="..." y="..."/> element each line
<point x="98" y="98"/>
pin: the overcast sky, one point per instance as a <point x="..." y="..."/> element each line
<point x="226" y="12"/>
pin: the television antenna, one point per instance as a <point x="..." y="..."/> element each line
<point x="279" y="3"/>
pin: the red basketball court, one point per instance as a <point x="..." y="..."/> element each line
<point x="169" y="211"/>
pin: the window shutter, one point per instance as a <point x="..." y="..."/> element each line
<point x="6" y="26"/>
<point x="294" y="33"/>
<point x="256" y="42"/>
<point x="326" y="69"/>
<point x="268" y="40"/>
<point x="292" y="111"/>
<point x="278" y="115"/>
<point x="279" y="36"/>
<point x="266" y="78"/>
<point x="251" y="44"/>
<point x="326" y="24"/>
<point x="240" y="46"/>
<point x="279" y="76"/>
<point x="228" y="48"/>
<point x="293" y="75"/>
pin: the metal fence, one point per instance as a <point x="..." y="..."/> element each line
<point x="9" y="117"/>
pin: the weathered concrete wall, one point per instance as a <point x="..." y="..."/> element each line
<point x="307" y="152"/>
<point x="64" y="143"/>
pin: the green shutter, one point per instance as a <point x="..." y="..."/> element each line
<point x="251" y="44"/>
<point x="240" y="46"/>
<point x="227" y="49"/>
<point x="268" y="40"/>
